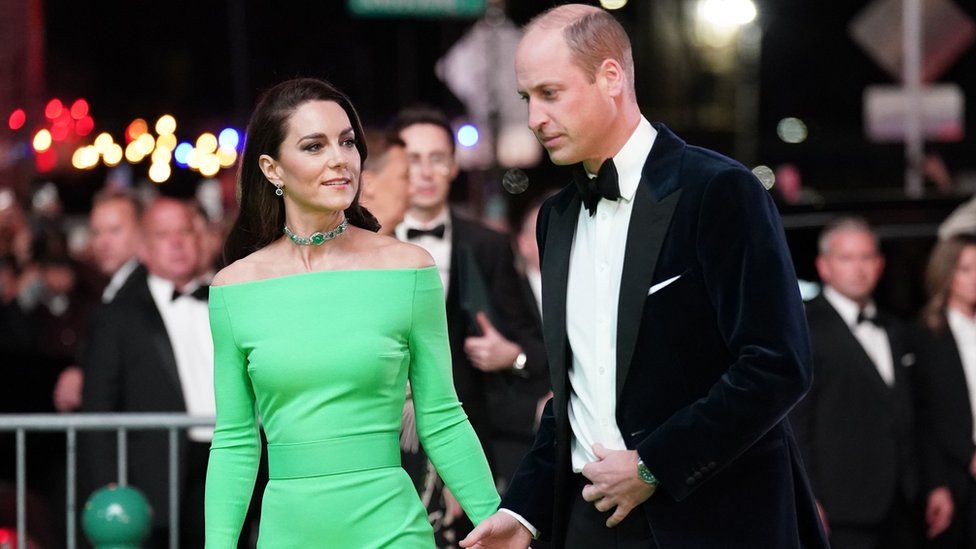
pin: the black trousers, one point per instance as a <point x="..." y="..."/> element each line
<point x="588" y="527"/>
<point x="899" y="530"/>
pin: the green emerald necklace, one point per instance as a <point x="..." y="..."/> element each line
<point x="316" y="238"/>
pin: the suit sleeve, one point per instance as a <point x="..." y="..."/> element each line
<point x="933" y="462"/>
<point x="752" y="286"/>
<point x="236" y="448"/>
<point x="101" y="361"/>
<point x="804" y="421"/>
<point x="442" y="425"/>
<point x="532" y="489"/>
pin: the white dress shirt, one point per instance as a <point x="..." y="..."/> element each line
<point x="593" y="292"/>
<point x="534" y="276"/>
<point x="118" y="280"/>
<point x="964" y="332"/>
<point x="873" y="338"/>
<point x="187" y="322"/>
<point x="438" y="248"/>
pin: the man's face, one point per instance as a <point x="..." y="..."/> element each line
<point x="567" y="112"/>
<point x="172" y="249"/>
<point x="385" y="193"/>
<point x="430" y="156"/>
<point x="852" y="265"/>
<point x="115" y="235"/>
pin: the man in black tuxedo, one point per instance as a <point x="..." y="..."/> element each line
<point x="672" y="320"/>
<point x="150" y="350"/>
<point x="855" y="425"/>
<point x="489" y="321"/>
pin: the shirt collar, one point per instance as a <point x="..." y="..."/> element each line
<point x="411" y="222"/>
<point x="630" y="159"/>
<point x="958" y="321"/>
<point x="846" y="307"/>
<point x="162" y="289"/>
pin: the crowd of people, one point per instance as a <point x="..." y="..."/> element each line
<point x="162" y="309"/>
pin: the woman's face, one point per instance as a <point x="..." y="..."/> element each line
<point x="318" y="163"/>
<point x="963" y="287"/>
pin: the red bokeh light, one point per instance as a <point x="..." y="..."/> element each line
<point x="79" y="109"/>
<point x="60" y="130"/>
<point x="53" y="109"/>
<point x="46" y="160"/>
<point x="85" y="126"/>
<point x="17" y="119"/>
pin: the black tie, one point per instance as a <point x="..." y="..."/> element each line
<point x="436" y="232"/>
<point x="604" y="185"/>
<point x="200" y="293"/>
<point x="861" y="317"/>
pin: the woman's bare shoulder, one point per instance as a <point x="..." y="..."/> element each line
<point x="255" y="266"/>
<point x="391" y="253"/>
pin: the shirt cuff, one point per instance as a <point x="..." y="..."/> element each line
<point x="521" y="519"/>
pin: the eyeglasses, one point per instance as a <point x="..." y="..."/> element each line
<point x="440" y="163"/>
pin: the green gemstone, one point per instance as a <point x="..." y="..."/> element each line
<point x="318" y="239"/>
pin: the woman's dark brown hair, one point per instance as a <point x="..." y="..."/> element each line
<point x="938" y="278"/>
<point x="262" y="213"/>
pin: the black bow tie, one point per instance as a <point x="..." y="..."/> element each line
<point x="604" y="185"/>
<point x="200" y="293"/>
<point x="861" y="317"/>
<point x="436" y="232"/>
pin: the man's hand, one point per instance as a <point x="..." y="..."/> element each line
<point x="67" y="390"/>
<point x="938" y="511"/>
<point x="490" y="352"/>
<point x="615" y="483"/>
<point x="500" y="530"/>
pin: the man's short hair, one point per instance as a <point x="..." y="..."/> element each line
<point x="112" y="195"/>
<point x="423" y="114"/>
<point x="844" y="224"/>
<point x="379" y="143"/>
<point x="593" y="36"/>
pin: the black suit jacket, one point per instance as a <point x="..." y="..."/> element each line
<point x="707" y="368"/>
<point x="856" y="432"/>
<point x="483" y="278"/>
<point x="130" y="367"/>
<point x="945" y="417"/>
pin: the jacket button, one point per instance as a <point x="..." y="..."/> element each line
<point x="698" y="475"/>
<point x="690" y="481"/>
<point x="712" y="465"/>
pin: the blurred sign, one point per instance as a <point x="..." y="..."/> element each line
<point x="417" y="8"/>
<point x="942" y="113"/>
<point x="946" y="29"/>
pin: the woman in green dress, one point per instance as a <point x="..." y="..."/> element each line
<point x="318" y="324"/>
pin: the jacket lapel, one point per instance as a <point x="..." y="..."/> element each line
<point x="654" y="203"/>
<point x="555" y="274"/>
<point x="159" y="338"/>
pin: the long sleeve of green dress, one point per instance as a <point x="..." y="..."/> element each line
<point x="325" y="358"/>
<point x="442" y="425"/>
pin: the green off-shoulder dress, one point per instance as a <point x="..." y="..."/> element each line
<point x="325" y="358"/>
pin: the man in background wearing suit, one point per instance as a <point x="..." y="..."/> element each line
<point x="150" y="351"/>
<point x="672" y="319"/>
<point x="855" y="425"/>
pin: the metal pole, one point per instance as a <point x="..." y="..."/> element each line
<point x="71" y="496"/>
<point x="122" y="449"/>
<point x="912" y="73"/>
<point x="174" y="504"/>
<point x="21" y="489"/>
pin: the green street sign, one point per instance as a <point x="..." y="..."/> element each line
<point x="417" y="8"/>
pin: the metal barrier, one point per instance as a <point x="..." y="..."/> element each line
<point x="71" y="424"/>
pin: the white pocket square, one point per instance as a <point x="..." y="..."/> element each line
<point x="660" y="285"/>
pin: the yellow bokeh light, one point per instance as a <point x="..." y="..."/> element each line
<point x="103" y="142"/>
<point x="42" y="141"/>
<point x="226" y="157"/>
<point x="85" y="158"/>
<point x="209" y="165"/>
<point x="207" y="143"/>
<point x="166" y="141"/>
<point x="166" y="125"/>
<point x="159" y="173"/>
<point x="161" y="156"/>
<point x="113" y="155"/>
<point x="193" y="159"/>
<point x="78" y="158"/>
<point x="133" y="153"/>
<point x="145" y="143"/>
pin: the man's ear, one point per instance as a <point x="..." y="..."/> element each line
<point x="611" y="77"/>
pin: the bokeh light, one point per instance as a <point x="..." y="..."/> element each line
<point x="226" y="157"/>
<point x="53" y="109"/>
<point x="17" y="119"/>
<point x="113" y="155"/>
<point x="229" y="138"/>
<point x="207" y="143"/>
<point x="467" y="135"/>
<point x="159" y="173"/>
<point x="166" y="124"/>
<point x="79" y="109"/>
<point x="42" y="140"/>
<point x="792" y="130"/>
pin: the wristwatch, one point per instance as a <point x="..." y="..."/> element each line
<point x="645" y="474"/>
